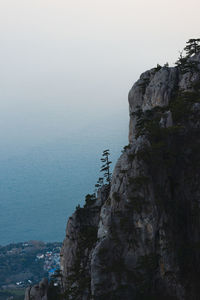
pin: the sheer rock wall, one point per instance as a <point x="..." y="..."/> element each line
<point x="145" y="239"/>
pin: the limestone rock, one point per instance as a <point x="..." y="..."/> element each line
<point x="145" y="238"/>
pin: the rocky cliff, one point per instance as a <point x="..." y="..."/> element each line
<point x="140" y="239"/>
<point x="38" y="291"/>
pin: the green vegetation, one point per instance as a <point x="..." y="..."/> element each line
<point x="90" y="199"/>
<point x="165" y="157"/>
<point x="137" y="187"/>
<point x="127" y="147"/>
<point x="172" y="158"/>
<point x="147" y="121"/>
<point x="192" y="48"/>
<point x="106" y="166"/>
<point x="18" y="262"/>
<point x="79" y="279"/>
<point x="181" y="106"/>
<point x="20" y="266"/>
<point x="161" y="150"/>
<point x="107" y="173"/>
<point x="158" y="67"/>
<point x="17" y="294"/>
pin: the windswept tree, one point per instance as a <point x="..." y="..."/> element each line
<point x="183" y="62"/>
<point x="192" y="47"/>
<point x="106" y="166"/>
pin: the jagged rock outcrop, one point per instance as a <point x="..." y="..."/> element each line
<point x="38" y="291"/>
<point x="76" y="253"/>
<point x="142" y="241"/>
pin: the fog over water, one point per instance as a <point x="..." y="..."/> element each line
<point x="65" y="71"/>
<point x="40" y="189"/>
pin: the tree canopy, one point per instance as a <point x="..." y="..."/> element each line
<point x="192" y="47"/>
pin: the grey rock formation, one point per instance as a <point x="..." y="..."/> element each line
<point x="76" y="253"/>
<point x="145" y="238"/>
<point x="37" y="292"/>
<point x="154" y="88"/>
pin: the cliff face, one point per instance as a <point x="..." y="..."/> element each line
<point x="141" y="240"/>
<point x="38" y="291"/>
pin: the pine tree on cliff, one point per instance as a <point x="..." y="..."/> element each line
<point x="193" y="47"/>
<point x="106" y="166"/>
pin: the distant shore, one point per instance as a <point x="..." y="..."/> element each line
<point x="26" y="263"/>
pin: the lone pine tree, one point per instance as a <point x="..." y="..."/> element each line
<point x="185" y="64"/>
<point x="193" y="47"/>
<point x="106" y="166"/>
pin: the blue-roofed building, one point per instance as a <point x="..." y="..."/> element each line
<point x="52" y="272"/>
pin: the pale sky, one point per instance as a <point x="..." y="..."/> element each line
<point x="68" y="65"/>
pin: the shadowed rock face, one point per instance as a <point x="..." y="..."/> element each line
<point x="37" y="292"/>
<point x="141" y="240"/>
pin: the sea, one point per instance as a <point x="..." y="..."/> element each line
<point x="41" y="187"/>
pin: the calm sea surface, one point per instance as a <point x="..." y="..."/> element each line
<point x="39" y="189"/>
